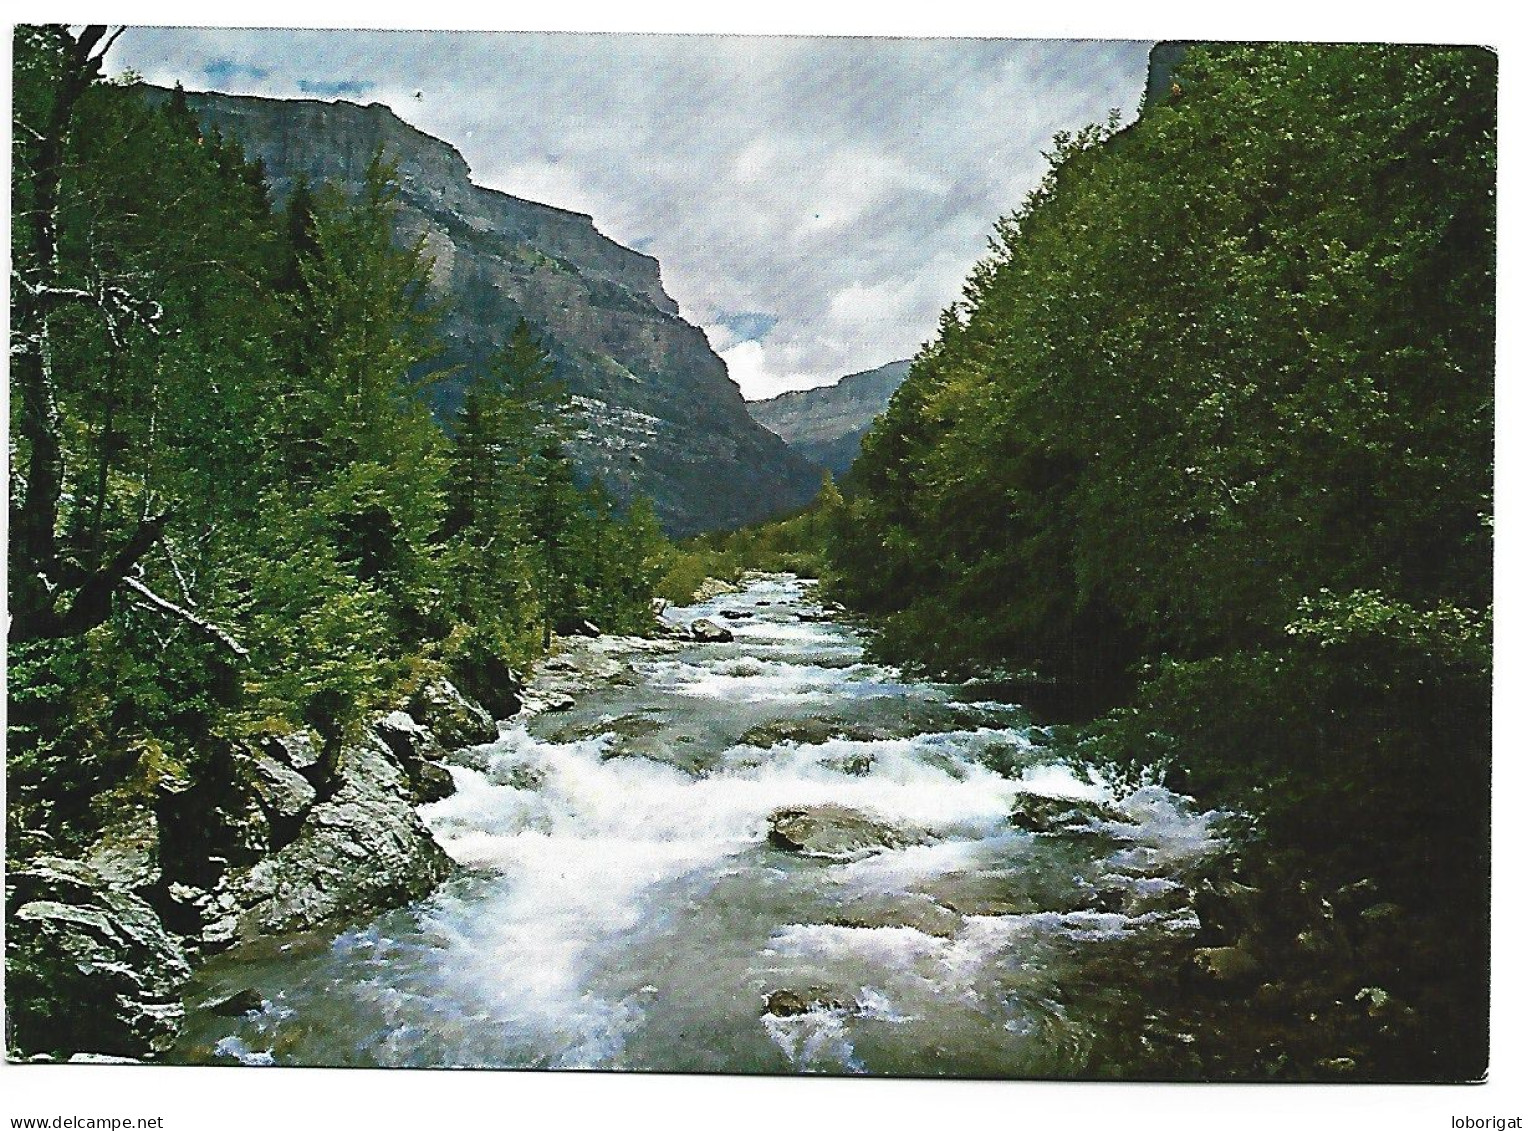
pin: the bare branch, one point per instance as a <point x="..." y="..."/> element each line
<point x="169" y="608"/>
<point x="175" y="567"/>
<point x="111" y="39"/>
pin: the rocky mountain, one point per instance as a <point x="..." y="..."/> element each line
<point x="826" y="425"/>
<point x="658" y="412"/>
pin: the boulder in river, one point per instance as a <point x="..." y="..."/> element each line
<point x="668" y="630"/>
<point x="90" y="966"/>
<point x="707" y="632"/>
<point x="836" y="832"/>
<point x="362" y="850"/>
<point x="237" y="1004"/>
<point x="1039" y="813"/>
<point x="795" y="1003"/>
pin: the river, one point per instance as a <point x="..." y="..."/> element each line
<point x="623" y="905"/>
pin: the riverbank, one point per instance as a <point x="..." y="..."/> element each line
<point x="268" y="838"/>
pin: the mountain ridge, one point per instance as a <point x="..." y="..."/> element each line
<point x="655" y="410"/>
<point x="825" y="425"/>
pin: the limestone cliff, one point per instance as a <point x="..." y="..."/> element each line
<point x="826" y="425"/>
<point x="658" y="413"/>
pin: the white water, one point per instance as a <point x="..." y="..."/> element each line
<point x="624" y="909"/>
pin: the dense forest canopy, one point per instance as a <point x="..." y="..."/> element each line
<point x="230" y="510"/>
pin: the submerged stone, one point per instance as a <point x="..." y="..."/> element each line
<point x="792" y="1003"/>
<point x="238" y="1004"/>
<point x="1038" y="813"/>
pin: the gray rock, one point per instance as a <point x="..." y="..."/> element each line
<point x="707" y="632"/>
<point x="713" y="587"/>
<point x="408" y="739"/>
<point x="835" y="832"/>
<point x="416" y="750"/>
<point x="282" y="791"/>
<point x="361" y="851"/>
<point x="91" y="968"/>
<point x="1037" y="813"/>
<point x="451" y="716"/>
<point x="237" y="1005"/>
<point x="794" y="1003"/>
<point x="298" y="750"/>
<point x="127" y="853"/>
<point x="431" y="781"/>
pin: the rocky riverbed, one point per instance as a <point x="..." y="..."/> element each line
<point x="740" y="846"/>
<point x="269" y="838"/>
<point x="735" y="846"/>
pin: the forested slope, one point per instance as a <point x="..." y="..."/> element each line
<point x="231" y="511"/>
<point x="1207" y="445"/>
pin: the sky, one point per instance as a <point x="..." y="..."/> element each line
<point x="814" y="203"/>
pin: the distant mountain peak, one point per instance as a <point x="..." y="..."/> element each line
<point x="826" y="425"/>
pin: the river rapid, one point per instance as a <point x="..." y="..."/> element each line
<point x="623" y="903"/>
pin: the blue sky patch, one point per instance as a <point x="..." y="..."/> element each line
<point x="748" y="325"/>
<point x="346" y="86"/>
<point x="222" y="72"/>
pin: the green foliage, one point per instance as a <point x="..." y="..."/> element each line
<point x="1208" y="439"/>
<point x="795" y="544"/>
<point x="254" y="377"/>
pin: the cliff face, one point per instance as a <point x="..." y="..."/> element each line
<point x="658" y="413"/>
<point x="826" y="425"/>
